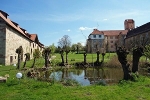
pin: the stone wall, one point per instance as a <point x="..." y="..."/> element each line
<point x="2" y="41"/>
<point x="10" y="40"/>
<point x="137" y="40"/>
<point x="14" y="39"/>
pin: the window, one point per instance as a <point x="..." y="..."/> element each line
<point x="111" y="46"/>
<point x="31" y="51"/>
<point x="111" y="37"/>
<point x="111" y="41"/>
<point x="94" y="36"/>
<point x="100" y="36"/>
<point x="11" y="59"/>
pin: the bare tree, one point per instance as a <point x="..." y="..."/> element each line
<point x="136" y="46"/>
<point x="64" y="44"/>
<point x="122" y="57"/>
<point x="46" y="54"/>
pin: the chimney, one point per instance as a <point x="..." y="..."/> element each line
<point x="94" y="29"/>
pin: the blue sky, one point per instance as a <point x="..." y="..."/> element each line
<point x="52" y="19"/>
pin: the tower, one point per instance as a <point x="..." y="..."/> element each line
<point x="129" y="24"/>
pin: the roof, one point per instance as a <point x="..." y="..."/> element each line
<point x="11" y="23"/>
<point x="138" y="30"/>
<point x="110" y="32"/>
<point x="14" y="25"/>
<point x="4" y="13"/>
<point x="33" y="37"/>
<point x="129" y="20"/>
<point x="96" y="31"/>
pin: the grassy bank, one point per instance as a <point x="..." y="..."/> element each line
<point x="32" y="89"/>
<point x="29" y="89"/>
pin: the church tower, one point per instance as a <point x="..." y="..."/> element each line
<point x="129" y="24"/>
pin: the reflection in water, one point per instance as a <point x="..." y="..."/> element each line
<point x="88" y="76"/>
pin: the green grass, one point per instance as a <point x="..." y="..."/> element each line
<point x="80" y="57"/>
<point x="71" y="56"/>
<point x="32" y="89"/>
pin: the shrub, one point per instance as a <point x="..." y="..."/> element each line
<point x="113" y="62"/>
<point x="70" y="82"/>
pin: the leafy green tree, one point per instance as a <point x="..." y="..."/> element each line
<point x="36" y="54"/>
<point x="74" y="47"/>
<point x="77" y="47"/>
<point x="147" y="51"/>
<point x="52" y="48"/>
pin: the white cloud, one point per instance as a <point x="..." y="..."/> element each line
<point x="105" y="19"/>
<point x="86" y="28"/>
<point x="68" y="30"/>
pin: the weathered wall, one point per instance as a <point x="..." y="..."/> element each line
<point x="137" y="40"/>
<point x="111" y="42"/>
<point x="2" y="41"/>
<point x="13" y="40"/>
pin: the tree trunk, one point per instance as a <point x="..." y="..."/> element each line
<point x="66" y="57"/>
<point x="122" y="57"/>
<point x="62" y="58"/>
<point x="46" y="60"/>
<point x="25" y="62"/>
<point x="97" y="56"/>
<point x="33" y="62"/>
<point x="137" y="53"/>
<point x="18" y="66"/>
<point x="103" y="54"/>
<point x="77" y="49"/>
<point x="85" y="58"/>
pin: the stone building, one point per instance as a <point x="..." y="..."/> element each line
<point x="105" y="40"/>
<point x="95" y="41"/>
<point x="140" y="36"/>
<point x="11" y="37"/>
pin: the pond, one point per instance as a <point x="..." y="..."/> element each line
<point x="89" y="76"/>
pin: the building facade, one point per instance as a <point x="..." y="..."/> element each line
<point x="11" y="37"/>
<point x="140" y="36"/>
<point x="107" y="39"/>
<point x="95" y="41"/>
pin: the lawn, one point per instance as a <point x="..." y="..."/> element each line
<point x="29" y="89"/>
<point x="32" y="89"/>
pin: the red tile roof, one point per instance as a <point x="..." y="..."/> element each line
<point x="96" y="31"/>
<point x="110" y="32"/>
<point x="115" y="32"/>
<point x="33" y="37"/>
<point x="15" y="25"/>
